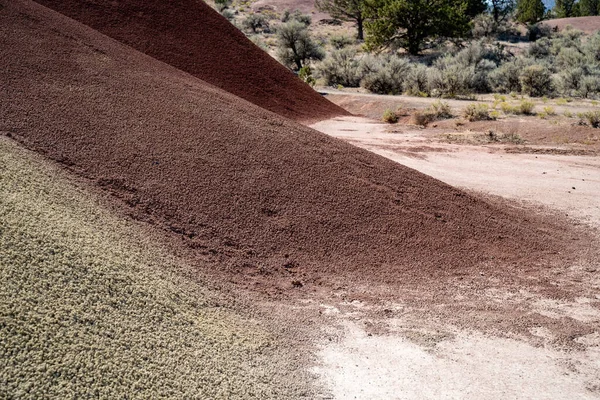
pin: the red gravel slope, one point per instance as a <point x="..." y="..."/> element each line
<point x="231" y="178"/>
<point x="191" y="36"/>
<point x="586" y="24"/>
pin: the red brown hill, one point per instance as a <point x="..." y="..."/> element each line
<point x="230" y="177"/>
<point x="586" y="24"/>
<point x="190" y="35"/>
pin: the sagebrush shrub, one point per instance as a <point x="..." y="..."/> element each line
<point x="416" y="83"/>
<point x="589" y="86"/>
<point x="505" y="79"/>
<point x="526" y="107"/>
<point x="536" y="81"/>
<point x="436" y="111"/>
<point x="228" y="14"/>
<point x="452" y="81"/>
<point x="567" y="82"/>
<point x="593" y="118"/>
<point x="477" y="112"/>
<point x="341" y="68"/>
<point x="256" y="23"/>
<point x="540" y="48"/>
<point x="386" y="75"/>
<point x="340" y="41"/>
<point x="569" y="57"/>
<point x="592" y="48"/>
<point x="289" y="16"/>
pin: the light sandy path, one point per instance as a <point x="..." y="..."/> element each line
<point x="566" y="183"/>
<point x="452" y="363"/>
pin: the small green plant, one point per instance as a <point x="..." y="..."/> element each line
<point x="514" y="95"/>
<point x="526" y="107"/>
<point x="592" y="118"/>
<point x="440" y="109"/>
<point x="545" y="99"/>
<point x="306" y="75"/>
<point x="390" y="116"/>
<point x="436" y="111"/>
<point x="507" y="108"/>
<point x="549" y="110"/>
<point x="568" y="114"/>
<point x="495" y="115"/>
<point x="477" y="112"/>
<point x="499" y="97"/>
<point x="595" y="103"/>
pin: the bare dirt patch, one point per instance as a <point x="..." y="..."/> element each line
<point x="476" y="335"/>
<point x="586" y="24"/>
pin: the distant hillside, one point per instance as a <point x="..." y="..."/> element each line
<point x="586" y="24"/>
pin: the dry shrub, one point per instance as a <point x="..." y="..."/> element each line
<point x="477" y="112"/>
<point x="536" y="81"/>
<point x="436" y="111"/>
<point x="390" y="116"/>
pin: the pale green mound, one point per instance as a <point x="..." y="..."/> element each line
<point x="89" y="307"/>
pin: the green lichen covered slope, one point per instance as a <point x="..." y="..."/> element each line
<point x="91" y="307"/>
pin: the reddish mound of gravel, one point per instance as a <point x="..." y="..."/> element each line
<point x="193" y="37"/>
<point x="586" y="24"/>
<point x="231" y="178"/>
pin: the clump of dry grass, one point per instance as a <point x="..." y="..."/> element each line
<point x="490" y="136"/>
<point x="436" y="111"/>
<point x="477" y="112"/>
<point x="390" y="116"/>
<point x="90" y="307"/>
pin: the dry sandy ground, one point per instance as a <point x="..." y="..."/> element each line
<point x="419" y="357"/>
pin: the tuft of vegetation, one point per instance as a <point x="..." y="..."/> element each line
<point x="385" y="75"/>
<point x="341" y="68"/>
<point x="416" y="82"/>
<point x="536" y="81"/>
<point x="289" y="16"/>
<point x="390" y="116"/>
<point x="526" y="107"/>
<point x="256" y="23"/>
<point x="592" y="118"/>
<point x="477" y="112"/>
<point x="306" y="75"/>
<point x="340" y="41"/>
<point x="436" y="111"/>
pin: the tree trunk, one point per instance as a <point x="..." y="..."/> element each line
<point x="359" y="25"/>
<point x="414" y="43"/>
